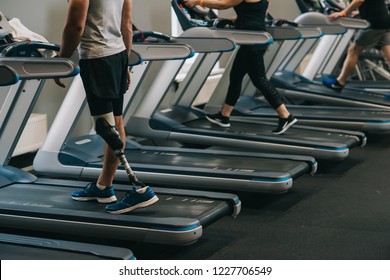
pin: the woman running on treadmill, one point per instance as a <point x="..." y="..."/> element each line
<point x="249" y="60"/>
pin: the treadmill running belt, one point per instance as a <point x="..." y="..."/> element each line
<point x="209" y="169"/>
<point x="18" y="247"/>
<point x="293" y="136"/>
<point x="21" y="252"/>
<point x="177" y="218"/>
<point x="41" y="197"/>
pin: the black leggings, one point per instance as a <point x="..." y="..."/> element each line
<point x="249" y="60"/>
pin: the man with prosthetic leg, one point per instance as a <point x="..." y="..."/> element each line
<point x="136" y="198"/>
<point x="104" y="49"/>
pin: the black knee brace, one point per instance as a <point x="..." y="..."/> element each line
<point x="109" y="134"/>
<point x="112" y="138"/>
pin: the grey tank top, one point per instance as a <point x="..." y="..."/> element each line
<point x="102" y="35"/>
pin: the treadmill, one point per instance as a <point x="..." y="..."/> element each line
<point x="166" y="166"/>
<point x="17" y="246"/>
<point x="186" y="124"/>
<point x="368" y="120"/>
<point x="293" y="85"/>
<point x="330" y="52"/>
<point x="20" y="247"/>
<point x="178" y="219"/>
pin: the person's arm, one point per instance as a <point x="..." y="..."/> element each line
<point x="127" y="25"/>
<point x="74" y="26"/>
<point x="127" y="29"/>
<point x="352" y="6"/>
<point x="73" y="30"/>
<point x="213" y="4"/>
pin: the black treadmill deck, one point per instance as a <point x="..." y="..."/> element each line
<point x="179" y="214"/>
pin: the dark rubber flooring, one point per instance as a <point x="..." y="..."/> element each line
<point x="343" y="212"/>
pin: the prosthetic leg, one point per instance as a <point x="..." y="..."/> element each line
<point x="135" y="198"/>
<point x="113" y="139"/>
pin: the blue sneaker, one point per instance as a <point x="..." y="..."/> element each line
<point x="92" y="192"/>
<point x="132" y="200"/>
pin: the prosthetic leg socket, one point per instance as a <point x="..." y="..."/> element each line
<point x="111" y="136"/>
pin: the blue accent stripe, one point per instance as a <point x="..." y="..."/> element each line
<point x="191" y="54"/>
<point x="272" y="180"/>
<point x="333" y="149"/>
<point x="194" y="227"/>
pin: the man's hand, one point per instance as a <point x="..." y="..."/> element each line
<point x="59" y="82"/>
<point x="191" y="3"/>
<point x="336" y="15"/>
<point x="128" y="77"/>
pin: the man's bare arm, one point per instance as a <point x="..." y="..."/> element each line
<point x="74" y="26"/>
<point x="214" y="4"/>
<point x="127" y="24"/>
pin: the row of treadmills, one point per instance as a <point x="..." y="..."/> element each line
<point x="195" y="168"/>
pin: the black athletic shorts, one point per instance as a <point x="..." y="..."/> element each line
<point x="105" y="82"/>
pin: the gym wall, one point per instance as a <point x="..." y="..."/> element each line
<point x="47" y="18"/>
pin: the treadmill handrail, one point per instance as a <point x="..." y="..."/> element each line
<point x="135" y="58"/>
<point x="239" y="37"/>
<point x="321" y="20"/>
<point x="284" y="33"/>
<point x="163" y="51"/>
<point x="39" y="68"/>
<point x="310" y="32"/>
<point x="15" y="68"/>
<point x="12" y="49"/>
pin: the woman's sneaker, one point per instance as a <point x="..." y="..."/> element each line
<point x="92" y="192"/>
<point x="218" y="119"/>
<point x="133" y="199"/>
<point x="284" y="124"/>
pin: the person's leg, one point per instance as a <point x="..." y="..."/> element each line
<point x="258" y="77"/>
<point x="282" y="111"/>
<point x="102" y="80"/>
<point x="102" y="189"/>
<point x="114" y="83"/>
<point x="227" y="110"/>
<point x="135" y="198"/>
<point x="236" y="76"/>
<point x="384" y="46"/>
<point x="385" y="50"/>
<point x="110" y="160"/>
<point x="257" y="74"/>
<point x="364" y="39"/>
<point x="349" y="63"/>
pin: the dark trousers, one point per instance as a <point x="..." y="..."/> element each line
<point x="250" y="60"/>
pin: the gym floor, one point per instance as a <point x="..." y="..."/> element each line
<point x="343" y="212"/>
